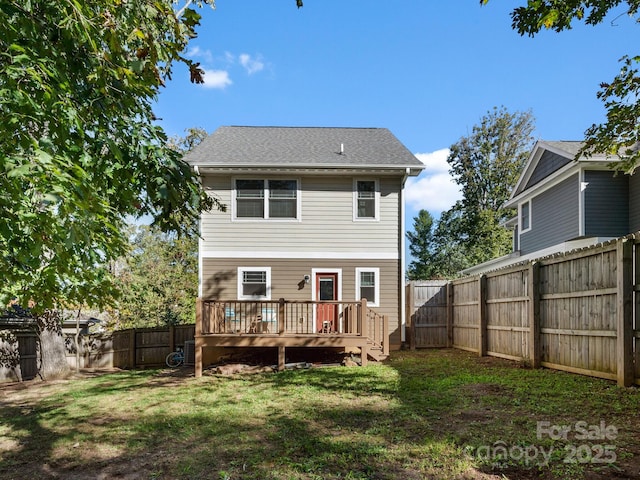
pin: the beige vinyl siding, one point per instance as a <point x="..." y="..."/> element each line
<point x="220" y="281"/>
<point x="326" y="222"/>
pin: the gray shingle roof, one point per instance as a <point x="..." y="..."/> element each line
<point x="317" y="147"/>
<point x="572" y="147"/>
<point x="568" y="146"/>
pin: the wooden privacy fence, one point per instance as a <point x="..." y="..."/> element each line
<point x="576" y="312"/>
<point x="19" y="355"/>
<point x="20" y="349"/>
<point x="149" y="347"/>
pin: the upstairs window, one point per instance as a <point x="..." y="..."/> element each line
<point x="283" y="198"/>
<point x="366" y="200"/>
<point x="525" y="217"/>
<point x="266" y="199"/>
<point x="250" y="198"/>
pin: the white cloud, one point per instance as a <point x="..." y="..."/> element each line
<point x="216" y="79"/>
<point x="434" y="189"/>
<point x="220" y="78"/>
<point x="197" y="52"/>
<point x="251" y="65"/>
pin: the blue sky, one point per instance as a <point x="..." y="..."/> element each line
<point x="427" y="70"/>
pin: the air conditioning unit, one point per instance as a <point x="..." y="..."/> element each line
<point x="190" y="352"/>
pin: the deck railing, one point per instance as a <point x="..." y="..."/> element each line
<point x="286" y="317"/>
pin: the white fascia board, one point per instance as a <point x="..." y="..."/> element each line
<point x="529" y="166"/>
<point x="380" y="170"/>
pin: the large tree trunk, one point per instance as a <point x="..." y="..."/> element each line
<point x="53" y="360"/>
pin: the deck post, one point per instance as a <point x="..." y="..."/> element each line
<point x="364" y="331"/>
<point x="385" y="335"/>
<point x="364" y="355"/>
<point x="281" y="358"/>
<point x="362" y="318"/>
<point x="198" y="338"/>
<point x="281" y="322"/>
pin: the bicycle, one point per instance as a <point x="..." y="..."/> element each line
<point x="175" y="359"/>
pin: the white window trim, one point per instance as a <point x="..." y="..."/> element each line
<point x="376" y="274"/>
<point x="234" y="207"/>
<point x="241" y="270"/>
<point x="376" y="200"/>
<point x="521" y="227"/>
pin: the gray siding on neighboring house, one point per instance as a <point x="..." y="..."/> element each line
<point x="634" y="203"/>
<point x="549" y="162"/>
<point x="606" y="204"/>
<point x="220" y="280"/>
<point x="554" y="217"/>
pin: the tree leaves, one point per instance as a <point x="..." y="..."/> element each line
<point x="79" y="150"/>
<point x="619" y="136"/>
<point x="486" y="164"/>
<point x="159" y="280"/>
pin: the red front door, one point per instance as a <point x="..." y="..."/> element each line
<point x="327" y="290"/>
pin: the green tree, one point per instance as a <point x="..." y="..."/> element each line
<point x="420" y="247"/>
<point x="194" y="136"/>
<point x="159" y="275"/>
<point x="486" y="164"/>
<point x="80" y="151"/>
<point x="449" y="256"/>
<point x="159" y="280"/>
<point x="620" y="134"/>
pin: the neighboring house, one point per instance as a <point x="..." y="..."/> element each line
<point x="313" y="214"/>
<point x="85" y="325"/>
<point x="563" y="204"/>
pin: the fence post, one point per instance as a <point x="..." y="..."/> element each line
<point x="172" y="338"/>
<point x="534" y="314"/>
<point x="411" y="330"/>
<point x="198" y="338"/>
<point x="482" y="316"/>
<point x="624" y="347"/>
<point x="449" y="314"/>
<point x="132" y="348"/>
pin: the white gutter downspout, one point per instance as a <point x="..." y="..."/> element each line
<point x="403" y="320"/>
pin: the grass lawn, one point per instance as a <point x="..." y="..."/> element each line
<point x="441" y="414"/>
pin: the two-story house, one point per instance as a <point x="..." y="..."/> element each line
<point x="314" y="224"/>
<point x="563" y="203"/>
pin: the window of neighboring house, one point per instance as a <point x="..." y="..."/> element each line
<point x="368" y="285"/>
<point x="525" y="217"/>
<point x="266" y="199"/>
<point x="366" y="199"/>
<point x="254" y="283"/>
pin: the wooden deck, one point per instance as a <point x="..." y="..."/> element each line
<point x="285" y="324"/>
